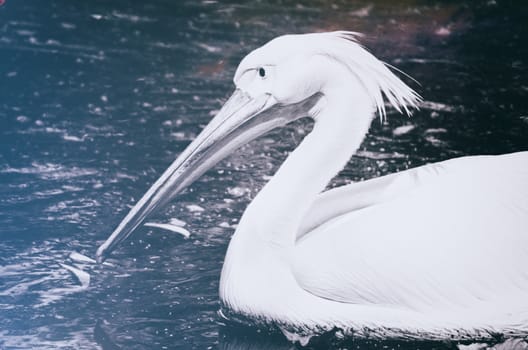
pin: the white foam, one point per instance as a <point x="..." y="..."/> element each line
<point x="82" y="276"/>
<point x="72" y="138"/>
<point x="209" y="48"/>
<point x="177" y="222"/>
<point x="294" y="337"/>
<point x="194" y="208"/>
<point x="83" y="259"/>
<point x="49" y="296"/>
<point x="437" y="106"/>
<point x="77" y="257"/>
<point x="237" y="191"/>
<point x="169" y="227"/>
<point x="402" y="130"/>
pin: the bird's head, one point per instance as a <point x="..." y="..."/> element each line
<point x="292" y="68"/>
<point x="282" y="81"/>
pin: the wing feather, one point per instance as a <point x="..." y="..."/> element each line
<point x="453" y="233"/>
<point x="346" y="199"/>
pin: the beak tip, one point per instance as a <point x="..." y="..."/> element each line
<point x="100" y="255"/>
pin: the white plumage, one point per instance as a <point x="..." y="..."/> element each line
<point x="435" y="252"/>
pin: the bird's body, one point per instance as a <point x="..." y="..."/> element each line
<point x="436" y="252"/>
<point x="421" y="254"/>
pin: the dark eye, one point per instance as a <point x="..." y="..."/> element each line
<point x="262" y="72"/>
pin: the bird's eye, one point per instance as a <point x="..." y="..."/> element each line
<point x="262" y="72"/>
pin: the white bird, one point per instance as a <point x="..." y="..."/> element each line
<point x="436" y="252"/>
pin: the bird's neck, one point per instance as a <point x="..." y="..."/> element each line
<point x="340" y="126"/>
<point x="266" y="234"/>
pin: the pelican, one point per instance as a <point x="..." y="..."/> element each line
<point x="432" y="253"/>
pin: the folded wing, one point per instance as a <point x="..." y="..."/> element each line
<point x="454" y="233"/>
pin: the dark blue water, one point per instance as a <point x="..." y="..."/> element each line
<point x="97" y="98"/>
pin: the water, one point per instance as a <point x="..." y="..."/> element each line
<point x="97" y="98"/>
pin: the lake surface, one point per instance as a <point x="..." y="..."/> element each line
<point x="97" y="98"/>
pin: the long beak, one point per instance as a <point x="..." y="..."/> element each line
<point x="240" y="120"/>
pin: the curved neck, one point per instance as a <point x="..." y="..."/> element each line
<point x="340" y="126"/>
